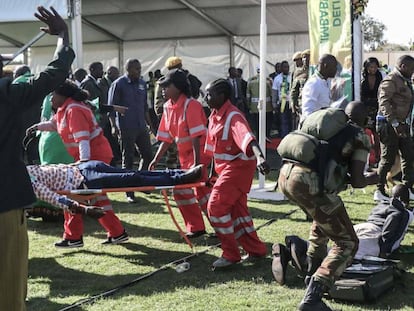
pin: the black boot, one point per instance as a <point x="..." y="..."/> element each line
<point x="313" y="265"/>
<point x="313" y="297"/>
<point x="298" y="248"/>
<point x="192" y="175"/>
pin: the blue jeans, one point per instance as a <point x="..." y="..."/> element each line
<point x="100" y="175"/>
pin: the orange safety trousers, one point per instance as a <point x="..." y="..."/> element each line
<point x="73" y="224"/>
<point x="191" y="203"/>
<point x="229" y="215"/>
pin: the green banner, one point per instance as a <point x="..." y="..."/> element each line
<point x="330" y="29"/>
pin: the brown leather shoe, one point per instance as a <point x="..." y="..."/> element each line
<point x="281" y="259"/>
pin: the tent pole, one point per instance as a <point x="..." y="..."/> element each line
<point x="121" y="60"/>
<point x="76" y="24"/>
<point x="25" y="47"/>
<point x="231" y="50"/>
<point x="357" y="57"/>
<point x="262" y="83"/>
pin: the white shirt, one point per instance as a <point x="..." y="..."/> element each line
<point x="277" y="85"/>
<point x="235" y="87"/>
<point x="316" y="94"/>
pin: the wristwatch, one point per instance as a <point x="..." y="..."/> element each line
<point x="395" y="123"/>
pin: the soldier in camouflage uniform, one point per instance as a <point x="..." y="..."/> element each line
<point x="330" y="219"/>
<point x="252" y="97"/>
<point x="299" y="78"/>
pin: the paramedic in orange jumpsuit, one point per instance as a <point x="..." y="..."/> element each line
<point x="84" y="140"/>
<point x="236" y="154"/>
<point x="184" y="122"/>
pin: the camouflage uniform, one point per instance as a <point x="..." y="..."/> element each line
<point x="299" y="79"/>
<point x="395" y="99"/>
<point x="330" y="219"/>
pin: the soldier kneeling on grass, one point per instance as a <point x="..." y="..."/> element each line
<point x="315" y="185"/>
<point x="379" y="236"/>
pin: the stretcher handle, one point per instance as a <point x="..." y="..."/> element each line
<point x="129" y="189"/>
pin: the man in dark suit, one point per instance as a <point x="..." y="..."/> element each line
<point x="242" y="81"/>
<point x="112" y="73"/>
<point x="90" y="83"/>
<point x="236" y="96"/>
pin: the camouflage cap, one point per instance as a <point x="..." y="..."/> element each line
<point x="296" y="56"/>
<point x="306" y="52"/>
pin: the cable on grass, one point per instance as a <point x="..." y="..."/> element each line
<point x="92" y="299"/>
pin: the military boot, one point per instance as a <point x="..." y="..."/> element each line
<point x="313" y="265"/>
<point x="313" y="297"/>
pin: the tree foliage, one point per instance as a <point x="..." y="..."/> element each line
<point x="373" y="31"/>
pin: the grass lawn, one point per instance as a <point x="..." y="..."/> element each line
<point x="59" y="278"/>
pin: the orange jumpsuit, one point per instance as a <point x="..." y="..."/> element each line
<point x="228" y="139"/>
<point x="182" y="121"/>
<point x="75" y="122"/>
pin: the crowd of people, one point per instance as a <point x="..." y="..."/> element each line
<point x="92" y="122"/>
<point x="85" y="112"/>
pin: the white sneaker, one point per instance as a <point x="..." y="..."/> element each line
<point x="222" y="263"/>
<point x="383" y="197"/>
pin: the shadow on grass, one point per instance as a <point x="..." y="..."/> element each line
<point x="40" y="303"/>
<point x="71" y="283"/>
<point x="141" y="205"/>
<point x="93" y="229"/>
<point x="200" y="275"/>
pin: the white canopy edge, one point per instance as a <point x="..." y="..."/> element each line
<point x="23" y="10"/>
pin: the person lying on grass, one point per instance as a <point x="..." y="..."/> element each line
<point x="379" y="236"/>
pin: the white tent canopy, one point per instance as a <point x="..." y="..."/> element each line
<point x="208" y="35"/>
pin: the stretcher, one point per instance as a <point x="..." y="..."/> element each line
<point x="82" y="195"/>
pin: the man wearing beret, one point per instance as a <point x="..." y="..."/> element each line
<point x="300" y="76"/>
<point x="175" y="62"/>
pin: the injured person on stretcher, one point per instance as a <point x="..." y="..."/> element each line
<point x="47" y="180"/>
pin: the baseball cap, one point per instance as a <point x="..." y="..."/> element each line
<point x="178" y="77"/>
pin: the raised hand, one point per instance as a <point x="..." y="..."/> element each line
<point x="55" y="23"/>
